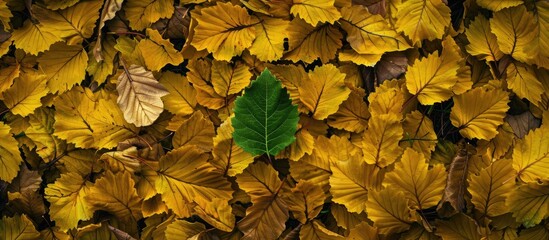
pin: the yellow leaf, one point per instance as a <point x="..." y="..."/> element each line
<point x="380" y="140"/>
<point x="481" y="121"/>
<point x="7" y="76"/>
<point x="73" y="24"/>
<point x="536" y="52"/>
<point x="431" y="79"/>
<point x="517" y="33"/>
<point x="67" y="200"/>
<point x="34" y="38"/>
<point x="423" y="187"/>
<point x="228" y="78"/>
<point x="498" y="5"/>
<point x="491" y="188"/>
<point x="352" y="114"/>
<point x="291" y="77"/>
<point x="363" y="231"/>
<point x="345" y="219"/>
<point x="315" y="11"/>
<point x="40" y="131"/>
<point x="197" y="131"/>
<point x="106" y="119"/>
<point x="216" y="212"/>
<point x="64" y="66"/>
<point x="128" y="48"/>
<point x="141" y="14"/>
<point x="387" y="101"/>
<point x="315" y="169"/>
<point x="537" y="232"/>
<point x="531" y="156"/>
<point x="181" y="229"/>
<point x="389" y="211"/>
<point x="181" y="99"/>
<point x="307" y="43"/>
<point x="419" y="133"/>
<point x="368" y="60"/>
<point x="269" y="42"/>
<point x="184" y="175"/>
<point x="421" y="20"/>
<point x="115" y="193"/>
<point x="482" y="42"/>
<point x="305" y="201"/>
<point x="72" y="110"/>
<point x="158" y="51"/>
<point x="227" y="156"/>
<point x="23" y="97"/>
<point x="224" y="30"/>
<point x="105" y="67"/>
<point x="266" y="217"/>
<point x="153" y="206"/>
<point x="315" y="230"/>
<point x="139" y="96"/>
<point x="522" y="79"/>
<point x="500" y="145"/>
<point x="5" y="15"/>
<point x="351" y="182"/>
<point x="528" y="203"/>
<point x="325" y="91"/>
<point x="303" y="144"/>
<point x="59" y="4"/>
<point x="459" y="227"/>
<point x="370" y="33"/>
<point x="10" y="157"/>
<point x="18" y="227"/>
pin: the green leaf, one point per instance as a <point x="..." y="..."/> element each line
<point x="265" y="120"/>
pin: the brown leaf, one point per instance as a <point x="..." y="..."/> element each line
<point x="522" y="123"/>
<point x="175" y="27"/>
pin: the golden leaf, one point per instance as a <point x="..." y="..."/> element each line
<point x="59" y="4"/>
<point x="186" y="170"/>
<point x="71" y="113"/>
<point x="140" y="95"/>
<point x="128" y="48"/>
<point x="34" y="38"/>
<point x="368" y="60"/>
<point x="18" y="227"/>
<point x="380" y="140"/>
<point x="531" y="156"/>
<point x="346" y="219"/>
<point x="352" y="114"/>
<point x="216" y="212"/>
<point x="421" y="20"/>
<point x="423" y="187"/>
<point x="315" y="230"/>
<point x="482" y="42"/>
<point x="419" y="133"/>
<point x="459" y="227"/>
<point x="305" y="201"/>
<point x="181" y="99"/>
<point x="528" y="203"/>
<point x="325" y="92"/>
<point x="303" y="144"/>
<point x="291" y="77"/>
<point x="492" y="187"/>
<point x="227" y="156"/>
<point x="224" y="30"/>
<point x="5" y="15"/>
<point x="64" y="66"/>
<point x="315" y="11"/>
<point x="481" y="121"/>
<point x="182" y="229"/>
<point x="522" y="79"/>
<point x="363" y="231"/>
<point x="269" y="42"/>
<point x="10" y="157"/>
<point x="158" y="51"/>
<point x="431" y="78"/>
<point x="259" y="180"/>
<point x="351" y="182"/>
<point x="141" y="14"/>
<point x="308" y="43"/>
<point x="196" y="131"/>
<point x="73" y="24"/>
<point x="40" y="132"/>
<point x="228" y="79"/>
<point x="67" y="200"/>
<point x="498" y="5"/>
<point x="389" y="211"/>
<point x="114" y="193"/>
<point x="23" y="97"/>
<point x="7" y="77"/>
<point x="370" y="33"/>
<point x="108" y="120"/>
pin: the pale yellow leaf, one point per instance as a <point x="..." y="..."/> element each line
<point x="269" y="42"/>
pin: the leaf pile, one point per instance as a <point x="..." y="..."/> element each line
<point x="385" y="119"/>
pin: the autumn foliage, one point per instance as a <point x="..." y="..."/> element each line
<point x="274" y="119"/>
